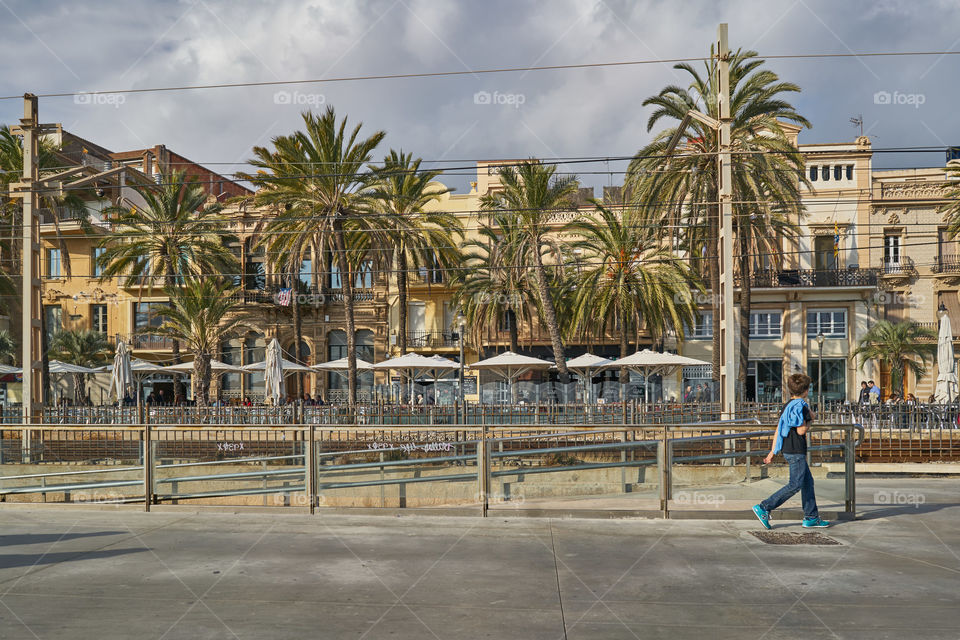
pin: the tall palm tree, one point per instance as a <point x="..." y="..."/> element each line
<point x="904" y="346"/>
<point x="631" y="280"/>
<point x="201" y="315"/>
<point x="534" y="195"/>
<point x="420" y="239"/>
<point x="314" y="178"/>
<point x="681" y="194"/>
<point x="82" y="347"/>
<point x="490" y="287"/>
<point x="178" y="234"/>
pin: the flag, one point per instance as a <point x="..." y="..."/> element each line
<point x="836" y="240"/>
<point x="284" y="296"/>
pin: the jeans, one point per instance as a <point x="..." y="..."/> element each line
<point x="800" y="480"/>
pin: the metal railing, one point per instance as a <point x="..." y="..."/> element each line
<point x="337" y="465"/>
<point x="850" y="277"/>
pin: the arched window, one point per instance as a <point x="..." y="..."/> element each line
<point x="289" y="354"/>
<point x="230" y="353"/>
<point x="337" y="348"/>
<point x="254" y="350"/>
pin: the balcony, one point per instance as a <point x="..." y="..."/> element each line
<point x="433" y="339"/>
<point x="146" y="342"/>
<point x="852" y="277"/>
<point x="947" y="263"/>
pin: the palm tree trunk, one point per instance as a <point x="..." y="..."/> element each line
<point x="175" y="346"/>
<point x="346" y="283"/>
<point x="514" y="332"/>
<point x="745" y="295"/>
<point x="550" y="317"/>
<point x="297" y="329"/>
<point x="624" y="348"/>
<point x="402" y="298"/>
<point x="201" y="374"/>
<point x="78" y="385"/>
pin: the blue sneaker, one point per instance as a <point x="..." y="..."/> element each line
<point x="810" y="523"/>
<point x="762" y="515"/>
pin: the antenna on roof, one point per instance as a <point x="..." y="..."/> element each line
<point x="858" y="122"/>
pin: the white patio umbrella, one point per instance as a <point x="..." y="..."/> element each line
<point x="650" y="363"/>
<point x="414" y="365"/>
<point x="6" y="369"/>
<point x="58" y="368"/>
<point x="122" y="375"/>
<point x="288" y="367"/>
<point x="510" y="366"/>
<point x="215" y="366"/>
<point x="340" y="366"/>
<point x="273" y="372"/>
<point x="585" y="366"/>
<point x="947" y="377"/>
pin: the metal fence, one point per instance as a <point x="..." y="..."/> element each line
<point x="349" y="466"/>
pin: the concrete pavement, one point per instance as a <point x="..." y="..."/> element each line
<point x="117" y="573"/>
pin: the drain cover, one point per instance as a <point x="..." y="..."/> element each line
<point x="786" y="537"/>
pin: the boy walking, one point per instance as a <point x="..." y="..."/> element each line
<point x="791" y="441"/>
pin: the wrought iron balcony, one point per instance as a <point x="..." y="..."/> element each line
<point x="433" y="339"/>
<point x="903" y="266"/>
<point x="147" y="342"/>
<point x="947" y="263"/>
<point x="852" y="277"/>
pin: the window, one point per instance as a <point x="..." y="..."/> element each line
<point x="53" y="315"/>
<point x="337" y="348"/>
<point x="837" y="172"/>
<point x="146" y="315"/>
<point x="96" y="269"/>
<point x="891" y="250"/>
<point x="334" y="281"/>
<point x="825" y="173"/>
<point x="834" y="378"/>
<point x="98" y="318"/>
<point x="833" y="324"/>
<point x="704" y="326"/>
<point x="231" y="353"/>
<point x="814" y="173"/>
<point x="508" y="320"/>
<point x="364" y="276"/>
<point x="431" y="272"/>
<point x="53" y="263"/>
<point x="306" y="273"/>
<point x="764" y="381"/>
<point x="849" y="172"/>
<point x="765" y="324"/>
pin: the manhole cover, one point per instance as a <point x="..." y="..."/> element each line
<point x="786" y="537"/>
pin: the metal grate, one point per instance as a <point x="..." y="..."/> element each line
<point x="787" y="537"/>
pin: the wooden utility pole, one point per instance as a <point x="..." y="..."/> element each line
<point x="31" y="130"/>
<point x="728" y="321"/>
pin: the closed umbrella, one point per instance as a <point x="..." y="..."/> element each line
<point x="121" y="378"/>
<point x="273" y="373"/>
<point x="947" y="377"/>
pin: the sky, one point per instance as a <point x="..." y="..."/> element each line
<point x="54" y="46"/>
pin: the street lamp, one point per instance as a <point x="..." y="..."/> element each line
<point x="820" y="372"/>
<point x="461" y="324"/>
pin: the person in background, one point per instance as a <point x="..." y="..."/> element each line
<point x="911" y="399"/>
<point x="688" y="394"/>
<point x="874" y="393"/>
<point x="864" y="393"/>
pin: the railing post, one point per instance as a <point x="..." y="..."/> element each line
<point x="310" y="460"/>
<point x="483" y="472"/>
<point x="663" y="467"/>
<point x="147" y="469"/>
<point x="747" y="449"/>
<point x="849" y="473"/>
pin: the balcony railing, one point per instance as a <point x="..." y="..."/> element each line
<point x="852" y="277"/>
<point x="947" y="263"/>
<point x="147" y="341"/>
<point x="433" y="339"/>
<point x="902" y="266"/>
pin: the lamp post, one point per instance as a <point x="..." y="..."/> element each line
<point x="820" y="373"/>
<point x="461" y="325"/>
<point x="942" y="313"/>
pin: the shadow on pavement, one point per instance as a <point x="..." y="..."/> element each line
<point x="12" y="560"/>
<point x="38" y="538"/>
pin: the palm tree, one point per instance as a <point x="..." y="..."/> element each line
<point x="904" y="346"/>
<point x="82" y="347"/>
<point x="178" y="234"/>
<point x="533" y="195"/>
<point x="314" y="178"/>
<point x="681" y="195"/>
<point x="8" y="346"/>
<point x="631" y="280"/>
<point x="201" y="315"/>
<point x="420" y="239"/>
<point x="490" y="287"/>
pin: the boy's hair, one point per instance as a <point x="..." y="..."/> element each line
<point x="870" y="383"/>
<point x="798" y="383"/>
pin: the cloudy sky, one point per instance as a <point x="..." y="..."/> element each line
<point x="56" y="46"/>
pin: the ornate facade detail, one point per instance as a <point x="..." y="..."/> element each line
<point x="893" y="219"/>
<point x="913" y="190"/>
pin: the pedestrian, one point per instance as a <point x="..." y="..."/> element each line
<point x="864" y="393"/>
<point x="874" y="393"/>
<point x="790" y="439"/>
<point x="688" y="394"/>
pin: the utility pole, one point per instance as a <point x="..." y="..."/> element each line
<point x="30" y="130"/>
<point x="728" y="324"/>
